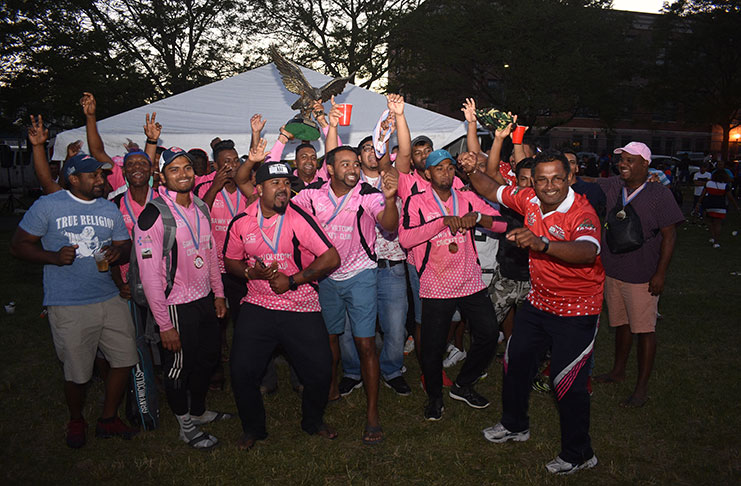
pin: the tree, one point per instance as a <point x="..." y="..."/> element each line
<point x="542" y="59"/>
<point x="340" y="37"/>
<point x="701" y="68"/>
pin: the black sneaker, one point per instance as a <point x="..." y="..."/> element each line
<point x="469" y="395"/>
<point x="347" y="385"/>
<point x="434" y="409"/>
<point x="399" y="385"/>
<point x="76" y="433"/>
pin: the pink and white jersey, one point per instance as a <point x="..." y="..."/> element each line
<point x="130" y="210"/>
<point x="279" y="238"/>
<point x="387" y="244"/>
<point x="447" y="264"/>
<point x="116" y="178"/>
<point x="414" y="183"/>
<point x="225" y="207"/>
<point x="197" y="271"/>
<point x="349" y="221"/>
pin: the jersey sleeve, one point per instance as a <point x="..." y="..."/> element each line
<point x="151" y="271"/>
<point x="668" y="211"/>
<point x="515" y="197"/>
<point x="373" y="204"/>
<point x="412" y="231"/>
<point x="303" y="199"/>
<point x="234" y="249"/>
<point x="585" y="226"/>
<point x="214" y="272"/>
<point x="499" y="225"/>
<point x="276" y="152"/>
<point x="120" y="233"/>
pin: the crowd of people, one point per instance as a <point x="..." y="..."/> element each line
<point x="315" y="260"/>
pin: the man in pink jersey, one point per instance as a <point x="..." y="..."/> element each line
<point x="282" y="251"/>
<point x="186" y="314"/>
<point x="226" y="201"/>
<point x="348" y="212"/>
<point x="562" y="234"/>
<point x="435" y="228"/>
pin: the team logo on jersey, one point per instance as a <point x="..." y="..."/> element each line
<point x="516" y="190"/>
<point x="557" y="231"/>
<point x="586" y="225"/>
<point x="530" y="218"/>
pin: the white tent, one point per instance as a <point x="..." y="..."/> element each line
<point x="223" y="109"/>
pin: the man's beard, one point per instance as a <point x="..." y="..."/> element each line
<point x="280" y="209"/>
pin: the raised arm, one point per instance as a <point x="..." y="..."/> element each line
<point x="94" y="142"/>
<point x="519" y="151"/>
<point x="472" y="138"/>
<point x="389" y="217"/>
<point x="38" y="135"/>
<point x="483" y="184"/>
<point x="243" y="177"/>
<point x="332" y="140"/>
<point x="495" y="153"/>
<point x="257" y="125"/>
<point x="403" y="161"/>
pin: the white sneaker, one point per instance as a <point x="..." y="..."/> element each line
<point x="716" y="245"/>
<point x="449" y="348"/>
<point x="711" y="240"/>
<point x="499" y="434"/>
<point x="455" y="357"/>
<point x="561" y="467"/>
<point x="409" y="345"/>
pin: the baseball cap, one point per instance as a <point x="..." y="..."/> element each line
<point x="136" y="152"/>
<point x="171" y="154"/>
<point x="83" y="164"/>
<point x="421" y="139"/>
<point x="636" y="148"/>
<point x="437" y="156"/>
<point x="273" y="170"/>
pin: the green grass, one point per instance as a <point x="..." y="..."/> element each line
<point x="688" y="433"/>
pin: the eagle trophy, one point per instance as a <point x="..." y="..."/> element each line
<point x="302" y="126"/>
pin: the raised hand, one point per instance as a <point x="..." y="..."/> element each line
<point x="506" y="131"/>
<point x="221" y="177"/>
<point x="74" y="149"/>
<point x="258" y="154"/>
<point x="469" y="110"/>
<point x="390" y="183"/>
<point x="334" y="114"/>
<point x="257" y="123"/>
<point x="152" y="129"/>
<point x="319" y="114"/>
<point x="130" y="145"/>
<point x="88" y="104"/>
<point x="395" y="104"/>
<point x="467" y="162"/>
<point x="37" y="133"/>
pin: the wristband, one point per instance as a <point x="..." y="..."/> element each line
<point x="151" y="142"/>
<point x="292" y="285"/>
<point x="478" y="217"/>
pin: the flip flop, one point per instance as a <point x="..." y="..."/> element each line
<point x="217" y="418"/>
<point x="326" y="432"/>
<point x="633" y="402"/>
<point x="373" y="435"/>
<point x="203" y="436"/>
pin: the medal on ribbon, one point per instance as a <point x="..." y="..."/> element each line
<point x="228" y="202"/>
<point x="338" y="206"/>
<point x="198" y="261"/>
<point x="453" y="246"/>
<point x="275" y="240"/>
<point x="621" y="215"/>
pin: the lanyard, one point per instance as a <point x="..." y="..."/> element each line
<point x="228" y="202"/>
<point x="127" y="203"/>
<point x="626" y="198"/>
<point x="271" y="242"/>
<point x="337" y="206"/>
<point x="440" y="204"/>
<point x="196" y="240"/>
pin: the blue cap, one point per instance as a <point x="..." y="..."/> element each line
<point x="171" y="154"/>
<point x="82" y="164"/>
<point x="136" y="152"/>
<point x="437" y="156"/>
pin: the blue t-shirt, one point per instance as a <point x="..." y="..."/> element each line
<point x="61" y="219"/>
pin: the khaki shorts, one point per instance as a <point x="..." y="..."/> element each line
<point x="631" y="304"/>
<point x="79" y="330"/>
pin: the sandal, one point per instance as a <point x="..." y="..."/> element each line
<point x="217" y="418"/>
<point x="326" y="432"/>
<point x="199" y="439"/>
<point x="246" y="442"/>
<point x="373" y="435"/>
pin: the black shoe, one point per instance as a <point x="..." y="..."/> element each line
<point x="399" y="385"/>
<point x="469" y="395"/>
<point x="434" y="409"/>
<point x="347" y="385"/>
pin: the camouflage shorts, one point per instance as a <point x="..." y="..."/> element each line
<point x="506" y="293"/>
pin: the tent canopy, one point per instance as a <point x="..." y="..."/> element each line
<point x="223" y="109"/>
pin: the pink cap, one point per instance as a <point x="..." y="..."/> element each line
<point x="636" y="148"/>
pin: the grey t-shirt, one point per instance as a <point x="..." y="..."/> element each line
<point x="657" y="208"/>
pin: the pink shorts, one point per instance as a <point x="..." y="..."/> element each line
<point x="632" y="304"/>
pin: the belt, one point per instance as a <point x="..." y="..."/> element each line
<point x="383" y="263"/>
<point x="488" y="270"/>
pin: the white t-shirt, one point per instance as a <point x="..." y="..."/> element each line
<point x="700" y="177"/>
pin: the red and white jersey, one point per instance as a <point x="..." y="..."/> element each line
<point x="225" y="207"/>
<point x="556" y="287"/>
<point x="509" y="176"/>
<point x="197" y="271"/>
<point x="349" y="222"/>
<point x="447" y="264"/>
<point x="130" y="210"/>
<point x="294" y="234"/>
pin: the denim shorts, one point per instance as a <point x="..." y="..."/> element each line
<point x="355" y="297"/>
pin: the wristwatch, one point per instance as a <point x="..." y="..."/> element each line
<point x="292" y="285"/>
<point x="546" y="242"/>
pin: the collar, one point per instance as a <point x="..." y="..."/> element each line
<point x="83" y="201"/>
<point x="562" y="208"/>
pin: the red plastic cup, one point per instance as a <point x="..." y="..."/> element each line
<point x="518" y="134"/>
<point x="346" y="111"/>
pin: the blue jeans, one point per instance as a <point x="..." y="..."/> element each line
<point x="392" y="315"/>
